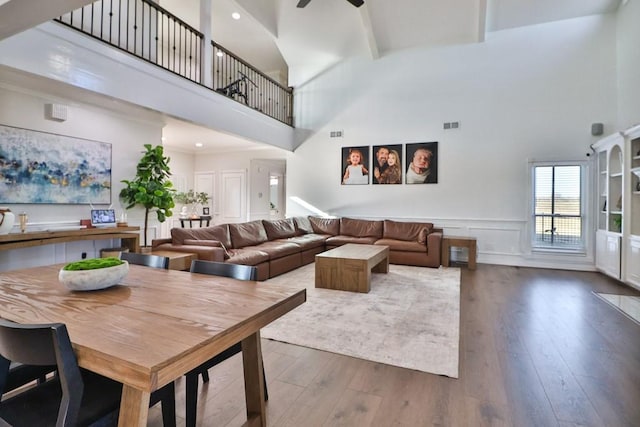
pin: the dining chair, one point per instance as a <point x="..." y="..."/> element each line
<point x="75" y="396"/>
<point x="225" y="269"/>
<point x="234" y="271"/>
<point x="147" y="260"/>
<point x="20" y="375"/>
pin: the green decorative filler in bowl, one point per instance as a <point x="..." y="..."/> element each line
<point x="93" y="274"/>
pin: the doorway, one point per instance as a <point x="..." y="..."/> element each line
<point x="276" y="196"/>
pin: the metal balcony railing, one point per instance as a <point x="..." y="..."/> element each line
<point x="146" y="30"/>
<point x="237" y="79"/>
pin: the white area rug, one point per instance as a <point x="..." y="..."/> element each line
<point x="411" y="318"/>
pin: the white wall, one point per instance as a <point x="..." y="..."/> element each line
<point x="182" y="167"/>
<point x="628" y="64"/>
<point x="25" y="109"/>
<point x="528" y="93"/>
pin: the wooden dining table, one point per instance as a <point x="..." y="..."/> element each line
<point x="153" y="327"/>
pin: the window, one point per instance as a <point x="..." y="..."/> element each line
<point x="558" y="206"/>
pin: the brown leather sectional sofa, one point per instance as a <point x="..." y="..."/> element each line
<point x="278" y="246"/>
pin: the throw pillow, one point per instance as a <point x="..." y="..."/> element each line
<point x="422" y="236"/>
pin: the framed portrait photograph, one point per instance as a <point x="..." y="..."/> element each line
<point x="205" y="210"/>
<point x="421" y="160"/>
<point x="387" y="164"/>
<point x="355" y="165"/>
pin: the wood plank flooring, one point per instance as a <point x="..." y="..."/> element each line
<point x="537" y="348"/>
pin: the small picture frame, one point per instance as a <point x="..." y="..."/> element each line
<point x="205" y="210"/>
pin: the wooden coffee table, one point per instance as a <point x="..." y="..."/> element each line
<point x="349" y="267"/>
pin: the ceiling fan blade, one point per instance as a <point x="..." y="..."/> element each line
<point x="303" y="3"/>
<point x="356" y="3"/>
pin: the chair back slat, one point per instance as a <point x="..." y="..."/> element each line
<point x="147" y="260"/>
<point x="225" y="269"/>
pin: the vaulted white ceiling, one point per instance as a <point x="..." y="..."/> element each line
<point x="293" y="45"/>
<point x="325" y="32"/>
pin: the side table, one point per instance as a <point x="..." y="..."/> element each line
<point x="200" y="219"/>
<point x="459" y="242"/>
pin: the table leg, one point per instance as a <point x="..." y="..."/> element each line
<point x="382" y="266"/>
<point x="253" y="379"/>
<point x="134" y="407"/>
<point x="472" y="255"/>
<point x="446" y="249"/>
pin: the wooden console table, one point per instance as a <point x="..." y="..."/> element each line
<point x="128" y="235"/>
<point x="461" y="242"/>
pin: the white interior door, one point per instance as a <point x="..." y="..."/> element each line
<point x="233" y="200"/>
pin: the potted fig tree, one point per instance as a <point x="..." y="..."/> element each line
<point x="151" y="188"/>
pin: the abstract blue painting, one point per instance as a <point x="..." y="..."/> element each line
<point x="40" y="167"/>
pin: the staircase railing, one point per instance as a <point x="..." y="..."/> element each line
<point x="146" y="30"/>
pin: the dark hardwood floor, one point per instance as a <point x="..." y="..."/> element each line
<point x="537" y="348"/>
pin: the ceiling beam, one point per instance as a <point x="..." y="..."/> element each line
<point x="482" y="20"/>
<point x="368" y="30"/>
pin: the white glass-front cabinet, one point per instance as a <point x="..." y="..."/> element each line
<point x="618" y="211"/>
<point x="609" y="152"/>
<point x="632" y="206"/>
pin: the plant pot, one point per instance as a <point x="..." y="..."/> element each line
<point x="91" y="280"/>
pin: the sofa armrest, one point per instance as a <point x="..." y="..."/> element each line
<point x="434" y="243"/>
<point x="207" y="253"/>
<point x="158" y="242"/>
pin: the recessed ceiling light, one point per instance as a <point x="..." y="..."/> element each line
<point x="219" y="53"/>
<point x="235" y="15"/>
<point x="199" y="144"/>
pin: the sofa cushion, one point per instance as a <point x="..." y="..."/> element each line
<point x="341" y="240"/>
<point x="307" y="241"/>
<point x="213" y="243"/>
<point x="360" y="228"/>
<point x="179" y="235"/>
<point x="279" y="229"/>
<point x="217" y="232"/>
<point x="409" y="231"/>
<point x="402" y="245"/>
<point x="329" y="226"/>
<point x="247" y="234"/>
<point x="247" y="256"/>
<point x="422" y="236"/>
<point x="303" y="225"/>
<point x="278" y="249"/>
